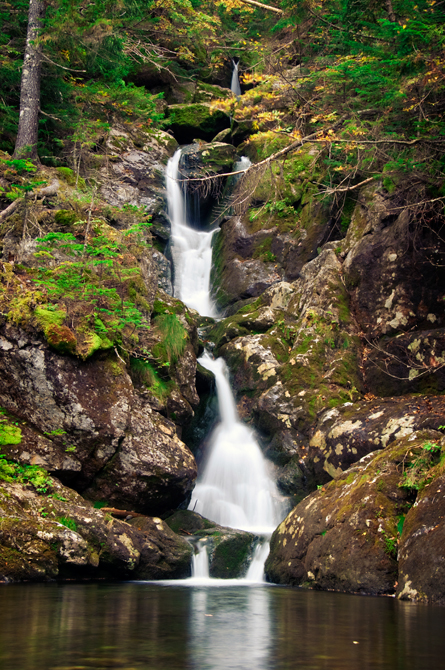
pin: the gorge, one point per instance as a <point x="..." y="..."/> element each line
<point x="222" y="350"/>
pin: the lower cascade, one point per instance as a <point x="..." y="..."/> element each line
<point x="235" y="489"/>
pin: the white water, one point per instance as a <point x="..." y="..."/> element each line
<point x="235" y="86"/>
<point x="235" y="488"/>
<point x="191" y="249"/>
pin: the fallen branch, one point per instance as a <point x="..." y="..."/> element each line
<point x="260" y="4"/>
<point x="346" y="188"/>
<point x="9" y="210"/>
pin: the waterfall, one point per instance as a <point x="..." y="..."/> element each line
<point x="234" y="86"/>
<point x="235" y="488"/>
<point x="191" y="249"/>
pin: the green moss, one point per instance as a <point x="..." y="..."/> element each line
<point x="346" y="214"/>
<point x="142" y="372"/>
<point x="46" y="316"/>
<point x="70" y="178"/>
<point x="9" y="433"/>
<point x="65" y="217"/>
<point x="263" y="251"/>
<point x="230" y="557"/>
<point x="67" y="522"/>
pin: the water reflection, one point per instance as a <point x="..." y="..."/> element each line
<point x="144" y="626"/>
<point x="230" y="628"/>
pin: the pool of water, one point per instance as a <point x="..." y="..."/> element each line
<point x="136" y="626"/>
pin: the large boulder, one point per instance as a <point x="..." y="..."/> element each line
<point x="58" y="535"/>
<point x="88" y="425"/>
<point x="345" y="535"/>
<point x="421" y="550"/>
<point x="345" y="434"/>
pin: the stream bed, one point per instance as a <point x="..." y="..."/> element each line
<point x="135" y="626"/>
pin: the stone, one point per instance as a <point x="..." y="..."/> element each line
<point x="91" y="409"/>
<point x="421" y="555"/>
<point x="378" y="528"/>
<point x="347" y="433"/>
<point x="61" y="536"/>
<point x="229" y="550"/>
<point x="196" y="120"/>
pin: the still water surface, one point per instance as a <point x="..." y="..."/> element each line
<point x="137" y="626"/>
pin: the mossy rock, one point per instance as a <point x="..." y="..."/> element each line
<point x="65" y="217"/>
<point x="186" y="522"/>
<point x="197" y="120"/>
<point x="231" y="554"/>
<point x="61" y="338"/>
<point x="89" y="343"/>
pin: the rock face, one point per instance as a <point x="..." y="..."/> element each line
<point x="421" y="559"/>
<point x="396" y="294"/>
<point x="91" y="409"/>
<point x="57" y="535"/>
<point x="348" y="535"/>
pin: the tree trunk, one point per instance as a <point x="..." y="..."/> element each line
<point x="390" y="11"/>
<point x="26" y="143"/>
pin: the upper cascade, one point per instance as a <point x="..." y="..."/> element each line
<point x="235" y="85"/>
<point x="191" y="249"/>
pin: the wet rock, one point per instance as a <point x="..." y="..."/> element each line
<point x="235" y="274"/>
<point x="229" y="550"/>
<point x="344" y="536"/>
<point x="377" y="528"/>
<point x="152" y="471"/>
<point x="254" y="365"/>
<point x="97" y="427"/>
<point x="201" y="158"/>
<point x="392" y="288"/>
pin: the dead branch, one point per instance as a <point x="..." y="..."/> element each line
<point x="69" y="69"/>
<point x="330" y="191"/>
<point x="259" y="4"/>
<point x="9" y="210"/>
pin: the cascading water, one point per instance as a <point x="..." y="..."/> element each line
<point x="235" y="489"/>
<point x="235" y="86"/>
<point x="191" y="249"/>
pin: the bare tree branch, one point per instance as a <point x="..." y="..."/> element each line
<point x="260" y="4"/>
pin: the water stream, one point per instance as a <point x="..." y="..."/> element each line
<point x="235" y="488"/>
<point x="235" y="86"/>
